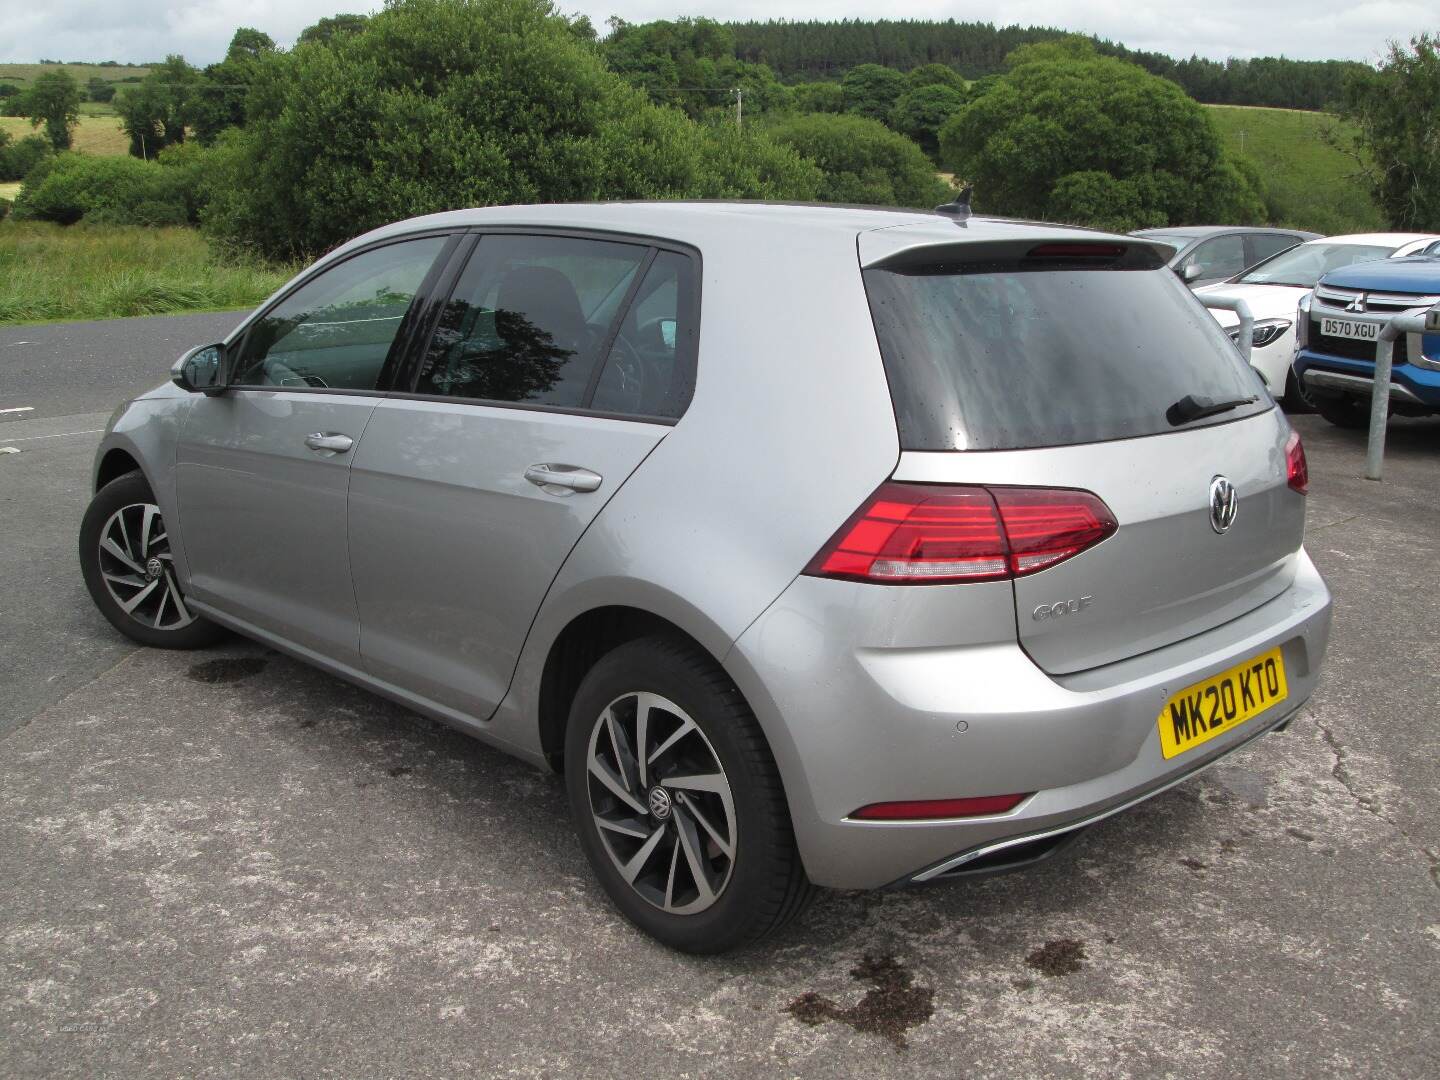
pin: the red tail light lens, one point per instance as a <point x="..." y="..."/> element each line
<point x="930" y="809"/>
<point x="928" y="534"/>
<point x="1297" y="470"/>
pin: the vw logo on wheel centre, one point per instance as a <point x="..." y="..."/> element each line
<point x="1224" y="503"/>
<point x="659" y="803"/>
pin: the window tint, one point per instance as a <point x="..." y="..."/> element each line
<point x="1267" y="244"/>
<point x="528" y="318"/>
<point x="649" y="370"/>
<point x="1222" y="257"/>
<point x="990" y="359"/>
<point x="336" y="330"/>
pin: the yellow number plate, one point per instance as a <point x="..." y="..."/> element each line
<point x="1200" y="712"/>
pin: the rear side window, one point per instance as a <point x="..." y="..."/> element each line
<point x="1001" y="357"/>
<point x="1264" y="245"/>
<point x="529" y="318"/>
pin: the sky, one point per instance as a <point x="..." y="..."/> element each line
<point x="140" y="30"/>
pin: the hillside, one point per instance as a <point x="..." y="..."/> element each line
<point x="1311" y="185"/>
<point x="22" y="75"/>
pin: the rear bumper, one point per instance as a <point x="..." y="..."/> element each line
<point x="1409" y="383"/>
<point x="854" y="722"/>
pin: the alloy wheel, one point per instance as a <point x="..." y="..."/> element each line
<point x="139" y="570"/>
<point x="661" y="802"/>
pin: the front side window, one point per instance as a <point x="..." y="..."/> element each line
<point x="1219" y="258"/>
<point x="336" y="330"/>
<point x="528" y="319"/>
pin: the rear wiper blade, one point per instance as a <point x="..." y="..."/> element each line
<point x="1190" y="408"/>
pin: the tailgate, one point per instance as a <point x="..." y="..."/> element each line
<point x="1166" y="574"/>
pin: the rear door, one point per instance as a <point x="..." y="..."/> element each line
<point x="1056" y="373"/>
<point x="263" y="470"/>
<point x="557" y="365"/>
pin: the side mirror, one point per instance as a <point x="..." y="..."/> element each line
<point x="1190" y="271"/>
<point x="201" y="371"/>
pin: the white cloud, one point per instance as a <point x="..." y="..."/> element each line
<point x="138" y="30"/>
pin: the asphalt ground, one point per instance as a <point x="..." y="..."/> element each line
<point x="226" y="864"/>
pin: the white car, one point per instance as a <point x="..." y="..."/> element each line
<point x="1275" y="288"/>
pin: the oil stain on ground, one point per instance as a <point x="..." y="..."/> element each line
<point x="227" y="669"/>
<point x="1060" y="957"/>
<point x="890" y="1008"/>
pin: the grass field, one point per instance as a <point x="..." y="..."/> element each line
<point x="50" y="272"/>
<point x="1311" y="184"/>
<point x="93" y="135"/>
<point x="10" y="190"/>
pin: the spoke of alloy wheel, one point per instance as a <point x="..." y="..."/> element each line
<point x="631" y="870"/>
<point x="124" y="579"/>
<point x="623" y="756"/>
<point x="147" y="520"/>
<point x="670" y="879"/>
<point x="625" y="827"/>
<point x="602" y="772"/>
<point x="690" y="843"/>
<point x="642" y="737"/>
<point x="713" y="782"/>
<point x="686" y="726"/>
<point x="130" y="605"/>
<point x="125" y="535"/>
<point x="175" y="594"/>
<point x="115" y="549"/>
<point x="723" y="844"/>
<point x="160" y="607"/>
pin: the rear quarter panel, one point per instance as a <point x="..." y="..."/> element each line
<point x="790" y="428"/>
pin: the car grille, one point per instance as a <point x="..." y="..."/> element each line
<point x="1352" y="349"/>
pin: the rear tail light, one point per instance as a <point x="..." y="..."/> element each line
<point x="928" y="534"/>
<point x="931" y="809"/>
<point x="1297" y="470"/>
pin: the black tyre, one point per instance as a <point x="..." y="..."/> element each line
<point x="125" y="558"/>
<point x="1297" y="399"/>
<point x="1351" y="413"/>
<point x="678" y="802"/>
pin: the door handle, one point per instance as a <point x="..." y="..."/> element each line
<point x="562" y="479"/>
<point x="329" y="442"/>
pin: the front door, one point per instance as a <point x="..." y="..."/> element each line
<point x="557" y="366"/>
<point x="263" y="470"/>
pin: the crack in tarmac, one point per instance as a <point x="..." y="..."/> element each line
<point x="1368" y="803"/>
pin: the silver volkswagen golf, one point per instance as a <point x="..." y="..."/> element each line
<point x="815" y="546"/>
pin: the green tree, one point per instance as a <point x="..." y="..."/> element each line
<point x="154" y="113"/>
<point x="98" y="89"/>
<point x="1094" y="140"/>
<point x="863" y="161"/>
<point x="332" y="27"/>
<point x="921" y="112"/>
<point x="218" y="99"/>
<point x="1397" y="111"/>
<point x="871" y="90"/>
<point x="935" y="75"/>
<point x="17" y="159"/>
<point x="822" y="97"/>
<point x="438" y="104"/>
<point x="54" y="101"/>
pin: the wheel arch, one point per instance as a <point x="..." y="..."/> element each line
<point x="115" y="463"/>
<point x="586" y="638"/>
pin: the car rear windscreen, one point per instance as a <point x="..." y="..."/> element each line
<point x="1000" y="356"/>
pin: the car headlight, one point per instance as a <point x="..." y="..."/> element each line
<point x="1267" y="331"/>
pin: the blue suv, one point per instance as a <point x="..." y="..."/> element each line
<point x="1337" y="330"/>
